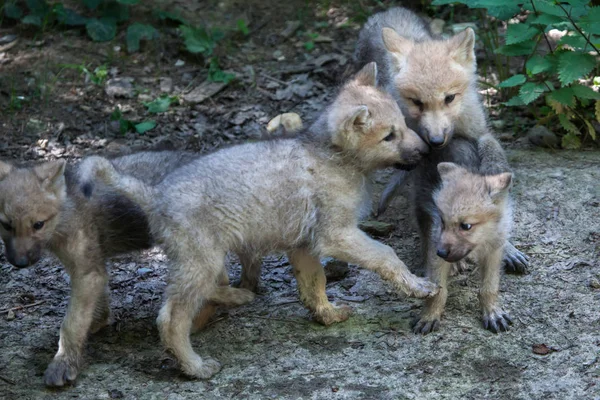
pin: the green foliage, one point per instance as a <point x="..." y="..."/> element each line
<point x="561" y="73"/>
<point x="200" y="40"/>
<point x="161" y="104"/>
<point x="102" y="26"/>
<point x="138" y="32"/>
<point x="97" y="77"/>
<point x="216" y="74"/>
<point x="126" y="125"/>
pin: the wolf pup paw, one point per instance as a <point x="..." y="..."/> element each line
<point x="60" y="372"/>
<point x="421" y="288"/>
<point x="204" y="369"/>
<point x="331" y="315"/>
<point x="426" y="325"/>
<point x="496" y="321"/>
<point x="515" y="262"/>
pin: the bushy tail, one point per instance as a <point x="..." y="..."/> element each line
<point x="93" y="169"/>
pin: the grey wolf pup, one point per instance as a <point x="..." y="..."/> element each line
<point x="300" y="195"/>
<point x="435" y="83"/>
<point x="462" y="213"/>
<point x="41" y="207"/>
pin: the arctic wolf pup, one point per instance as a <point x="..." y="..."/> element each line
<point x="462" y="213"/>
<point x="41" y="207"/>
<point x="301" y="195"/>
<point x="435" y="84"/>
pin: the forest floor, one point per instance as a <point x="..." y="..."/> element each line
<point x="271" y="348"/>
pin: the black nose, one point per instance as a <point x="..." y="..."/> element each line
<point x="443" y="253"/>
<point x="20" y="262"/>
<point x="436" y="141"/>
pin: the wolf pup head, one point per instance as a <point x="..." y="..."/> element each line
<point x="432" y="78"/>
<point x="473" y="210"/>
<point x="367" y="124"/>
<point x="30" y="201"/>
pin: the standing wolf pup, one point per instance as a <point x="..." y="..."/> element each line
<point x="462" y="213"/>
<point x="42" y="207"/>
<point x="302" y="195"/>
<point x="435" y="84"/>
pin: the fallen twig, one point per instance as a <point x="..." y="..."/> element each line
<point x="9" y="381"/>
<point x="37" y="303"/>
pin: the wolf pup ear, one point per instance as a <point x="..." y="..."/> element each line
<point x="498" y="184"/>
<point x="398" y="46"/>
<point x="359" y="119"/>
<point x="462" y="47"/>
<point x="367" y="76"/>
<point x="51" y="174"/>
<point x="4" y="169"/>
<point x="445" y="168"/>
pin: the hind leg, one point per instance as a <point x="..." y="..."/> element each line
<point x="209" y="308"/>
<point x="192" y="283"/>
<point x="251" y="266"/>
<point x="102" y="316"/>
<point x="311" y="285"/>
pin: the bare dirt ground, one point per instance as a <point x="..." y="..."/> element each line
<point x="271" y="348"/>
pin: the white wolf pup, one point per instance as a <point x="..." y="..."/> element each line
<point x="302" y="195"/>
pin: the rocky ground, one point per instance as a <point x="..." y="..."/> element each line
<point x="271" y="348"/>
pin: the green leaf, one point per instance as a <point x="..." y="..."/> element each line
<point x="32" y="19"/>
<point x="571" y="142"/>
<point x="38" y="7"/>
<point x="216" y="74"/>
<point x="538" y="64"/>
<point x="545" y="7"/>
<point x="573" y="65"/>
<point x="137" y="32"/>
<point x="590" y="22"/>
<point x="444" y="2"/>
<point x="568" y="125"/>
<point x="145" y="126"/>
<point x="68" y="17"/>
<point x="519" y="49"/>
<point x="242" y="27"/>
<point x="531" y="91"/>
<point x="544" y="19"/>
<point x="515" y="80"/>
<point x="514" y="101"/>
<point x="128" y="2"/>
<point x="197" y="40"/>
<point x="517" y="33"/>
<point x="116" y="11"/>
<point x="584" y="92"/>
<point x="13" y="11"/>
<point x="160" y="104"/>
<point x="574" y="41"/>
<point x="563" y="96"/>
<point x="101" y="30"/>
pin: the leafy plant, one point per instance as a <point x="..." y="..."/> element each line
<point x="309" y="44"/>
<point x="160" y="104"/>
<point x="126" y="125"/>
<point x="97" y="76"/>
<point x="216" y="74"/>
<point x="565" y="75"/>
<point x="101" y="26"/>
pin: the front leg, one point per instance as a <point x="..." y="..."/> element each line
<point x="354" y="246"/>
<point x="88" y="286"/>
<point x="494" y="318"/>
<point x="514" y="261"/>
<point x="437" y="270"/>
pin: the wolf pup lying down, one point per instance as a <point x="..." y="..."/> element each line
<point x="302" y="195"/>
<point x="42" y="207"/>
<point x="435" y="84"/>
<point x="462" y="213"/>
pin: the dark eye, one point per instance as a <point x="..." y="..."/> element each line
<point x="465" y="227"/>
<point x="38" y="225"/>
<point x="418" y="103"/>
<point x="450" y="98"/>
<point x="6" y="226"/>
<point x="390" y="137"/>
